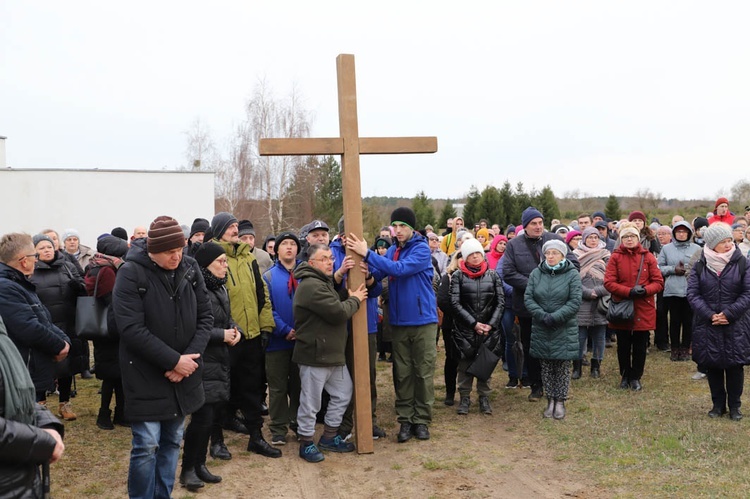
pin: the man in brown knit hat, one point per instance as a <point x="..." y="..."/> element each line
<point x="163" y="315"/>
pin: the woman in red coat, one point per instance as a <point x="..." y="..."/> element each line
<point x="620" y="280"/>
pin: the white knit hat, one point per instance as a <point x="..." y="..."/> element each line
<point x="471" y="246"/>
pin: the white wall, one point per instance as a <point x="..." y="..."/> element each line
<point x="96" y="201"/>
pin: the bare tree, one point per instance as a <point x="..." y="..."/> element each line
<point x="741" y="194"/>
<point x="200" y="153"/>
<point x="273" y="176"/>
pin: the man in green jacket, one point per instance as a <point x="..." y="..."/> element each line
<point x="251" y="310"/>
<point x="320" y="318"/>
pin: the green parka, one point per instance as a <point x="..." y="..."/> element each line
<point x="320" y="319"/>
<point x="248" y="294"/>
<point x="558" y="293"/>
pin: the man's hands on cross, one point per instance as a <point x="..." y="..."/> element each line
<point x="357" y="245"/>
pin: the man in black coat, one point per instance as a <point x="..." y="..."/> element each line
<point x="163" y="315"/>
<point x="29" y="323"/>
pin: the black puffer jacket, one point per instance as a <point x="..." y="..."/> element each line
<point x="23" y="448"/>
<point x="30" y="327"/>
<point x="475" y="300"/>
<point x="160" y="315"/>
<point x="58" y="285"/>
<point x="216" y="357"/>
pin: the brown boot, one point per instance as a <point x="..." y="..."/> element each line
<point x="65" y="411"/>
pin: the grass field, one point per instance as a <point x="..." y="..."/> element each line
<point x="656" y="443"/>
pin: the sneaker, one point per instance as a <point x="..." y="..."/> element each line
<point x="346" y="436"/>
<point x="278" y="440"/>
<point x="698" y="376"/>
<point x="65" y="411"/>
<point x="377" y="432"/>
<point x="310" y="453"/>
<point x="525" y="383"/>
<point x="335" y="444"/>
<point x="512" y="383"/>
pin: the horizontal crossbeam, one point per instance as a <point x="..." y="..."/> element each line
<point x="335" y="146"/>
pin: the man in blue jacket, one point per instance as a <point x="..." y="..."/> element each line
<point x="413" y="315"/>
<point x="281" y="373"/>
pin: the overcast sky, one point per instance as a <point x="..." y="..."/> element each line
<point x="603" y="97"/>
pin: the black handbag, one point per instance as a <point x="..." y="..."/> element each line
<point x="622" y="311"/>
<point x="91" y="316"/>
<point x="602" y="304"/>
<point x="484" y="363"/>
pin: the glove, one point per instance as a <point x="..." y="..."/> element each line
<point x="548" y="320"/>
<point x="637" y="291"/>
<point x="679" y="269"/>
<point x="265" y="339"/>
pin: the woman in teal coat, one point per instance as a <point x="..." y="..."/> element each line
<point x="553" y="296"/>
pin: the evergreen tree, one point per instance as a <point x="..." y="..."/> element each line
<point x="523" y="201"/>
<point x="448" y="212"/>
<point x="329" y="194"/>
<point x="471" y="209"/>
<point x="423" y="210"/>
<point x="508" y="202"/>
<point x="490" y="205"/>
<point x="612" y="208"/>
<point x="546" y="203"/>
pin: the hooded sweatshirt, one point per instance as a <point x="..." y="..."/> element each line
<point x="493" y="256"/>
<point x="671" y="255"/>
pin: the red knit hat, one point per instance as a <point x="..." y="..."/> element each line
<point x="637" y="215"/>
<point x="164" y="234"/>
<point x="721" y="201"/>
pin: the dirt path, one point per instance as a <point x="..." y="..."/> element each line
<point x="503" y="455"/>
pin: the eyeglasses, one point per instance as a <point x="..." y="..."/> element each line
<point x="629" y="236"/>
<point x="325" y="259"/>
<point x="577" y="238"/>
<point x="24" y="257"/>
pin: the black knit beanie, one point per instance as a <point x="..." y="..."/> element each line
<point x="404" y="215"/>
<point x="207" y="253"/>
<point x="221" y="222"/>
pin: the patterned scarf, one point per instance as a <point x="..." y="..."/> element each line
<point x="212" y="282"/>
<point x="592" y="260"/>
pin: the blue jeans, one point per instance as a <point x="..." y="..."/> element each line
<point x="597" y="340"/>
<point x="153" y="458"/>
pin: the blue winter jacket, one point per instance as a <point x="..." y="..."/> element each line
<point x="339" y="253"/>
<point x="282" y="298"/>
<point x="728" y="345"/>
<point x="411" y="295"/>
<point x="30" y="326"/>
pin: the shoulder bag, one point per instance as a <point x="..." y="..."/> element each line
<point x="622" y="311"/>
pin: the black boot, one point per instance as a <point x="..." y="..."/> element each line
<point x="190" y="480"/>
<point x="258" y="445"/>
<point x="202" y="472"/>
<point x="219" y="451"/>
<point x="119" y="418"/>
<point x="595" y="364"/>
<point x="463" y="406"/>
<point x="103" y="420"/>
<point x="577" y="369"/>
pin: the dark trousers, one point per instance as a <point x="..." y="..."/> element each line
<point x="661" y="332"/>
<point x="631" y="353"/>
<point x="197" y="435"/>
<point x="722" y="393"/>
<point x="533" y="366"/>
<point x="248" y="381"/>
<point x="110" y="386"/>
<point x="452" y="356"/>
<point x="680" y="320"/>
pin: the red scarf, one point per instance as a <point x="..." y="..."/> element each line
<point x="474" y="273"/>
<point x="291" y="285"/>
<point x="395" y="259"/>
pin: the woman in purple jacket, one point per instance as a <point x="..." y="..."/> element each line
<point x="719" y="293"/>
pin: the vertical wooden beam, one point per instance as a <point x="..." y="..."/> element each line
<point x="350" y="179"/>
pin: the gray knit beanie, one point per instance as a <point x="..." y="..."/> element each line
<point x="716" y="233"/>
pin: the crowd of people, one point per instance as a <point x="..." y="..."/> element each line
<point x="204" y="323"/>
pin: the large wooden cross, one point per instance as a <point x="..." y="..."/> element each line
<point x="349" y="146"/>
